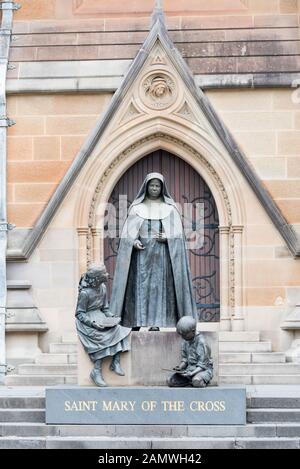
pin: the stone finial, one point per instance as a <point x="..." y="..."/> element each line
<point x="158" y="12"/>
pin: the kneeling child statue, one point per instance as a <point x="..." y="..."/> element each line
<point x="196" y="367"/>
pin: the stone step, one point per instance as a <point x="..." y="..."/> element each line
<point x="273" y="415"/>
<point x="22" y="443"/>
<point x="63" y="348"/>
<point x="69" y="338"/>
<point x="267" y="443"/>
<point x="268" y="357"/>
<point x="273" y="402"/>
<point x="257" y="430"/>
<point x="288" y="430"/>
<point x="234" y="357"/>
<point x="235" y="379"/>
<point x="22" y="415"/>
<point x="27" y="429"/>
<point x="22" y="402"/>
<point x="146" y="443"/>
<point x="158" y="431"/>
<point x="39" y="380"/>
<point x="245" y="346"/>
<point x="57" y="370"/>
<point x="259" y="379"/>
<point x="243" y="336"/>
<point x="259" y="369"/>
<point x="56" y="358"/>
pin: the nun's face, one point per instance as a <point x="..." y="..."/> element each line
<point x="154" y="188"/>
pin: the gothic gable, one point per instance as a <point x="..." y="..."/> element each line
<point x="160" y="86"/>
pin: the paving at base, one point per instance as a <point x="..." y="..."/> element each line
<point x="273" y="422"/>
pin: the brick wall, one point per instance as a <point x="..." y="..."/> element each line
<point x="266" y="124"/>
<point x="49" y="132"/>
<point x="64" y="9"/>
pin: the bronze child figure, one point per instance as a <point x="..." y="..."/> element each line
<point x="196" y="367"/>
<point x="99" y="335"/>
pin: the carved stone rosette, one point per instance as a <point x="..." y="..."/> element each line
<point x="158" y="90"/>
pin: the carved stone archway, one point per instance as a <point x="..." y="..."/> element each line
<point x="91" y="212"/>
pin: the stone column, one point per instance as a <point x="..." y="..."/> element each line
<point x="225" y="319"/>
<point x="7" y="8"/>
<point x="238" y="314"/>
<point x="97" y="234"/>
<point x="292" y="324"/>
<point x="83" y="233"/>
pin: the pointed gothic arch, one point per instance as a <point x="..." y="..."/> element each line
<point x="111" y="162"/>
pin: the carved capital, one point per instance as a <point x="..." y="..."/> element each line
<point x="83" y="231"/>
<point x="237" y="229"/>
<point x="224" y="230"/>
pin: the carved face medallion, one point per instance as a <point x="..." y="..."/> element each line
<point x="158" y="91"/>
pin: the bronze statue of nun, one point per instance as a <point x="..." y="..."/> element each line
<point x="152" y="283"/>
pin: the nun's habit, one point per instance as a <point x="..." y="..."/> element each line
<point x="152" y="287"/>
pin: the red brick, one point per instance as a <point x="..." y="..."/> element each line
<point x="198" y="36"/>
<point x="290" y="209"/>
<point x="268" y="64"/>
<point x="73" y="125"/>
<point x="107" y="8"/>
<point x="70" y="146"/>
<point x="126" y="37"/>
<point x="288" y="6"/>
<point x="33" y="193"/>
<point x="36" y="9"/>
<point x="37" y="171"/>
<point x="212" y="22"/>
<point x="67" y="53"/>
<point x="257" y="34"/>
<point x="10" y="191"/>
<point x="46" y="148"/>
<point x="24" y="215"/>
<point x="213" y="65"/>
<point x="19" y="148"/>
<point x="127" y="24"/>
<point x="62" y="26"/>
<point x="47" y="39"/>
<point x="27" y="126"/>
<point x="293" y="166"/>
<point x="275" y="21"/>
<point x="22" y="54"/>
<point x="231" y="49"/>
<point x="55" y="104"/>
<point x="20" y="27"/>
<point x="284" y="189"/>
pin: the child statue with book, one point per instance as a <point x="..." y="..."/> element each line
<point x="99" y="331"/>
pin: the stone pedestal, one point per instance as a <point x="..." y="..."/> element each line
<point x="145" y="406"/>
<point x="150" y="355"/>
<point x="292" y="324"/>
<point x="23" y="324"/>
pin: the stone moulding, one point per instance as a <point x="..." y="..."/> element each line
<point x="100" y="84"/>
<point x="159" y="33"/>
<point x="104" y="185"/>
<point x="139" y="144"/>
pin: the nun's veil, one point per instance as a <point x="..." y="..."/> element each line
<point x="143" y="190"/>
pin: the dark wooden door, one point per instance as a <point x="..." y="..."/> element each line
<point x="185" y="186"/>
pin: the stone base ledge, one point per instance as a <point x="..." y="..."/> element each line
<point x="151" y="353"/>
